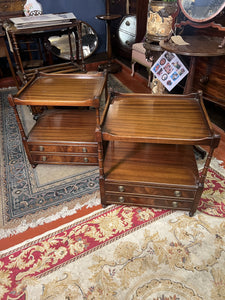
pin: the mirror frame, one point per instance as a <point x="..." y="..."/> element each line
<point x="53" y="47"/>
<point x="180" y="3"/>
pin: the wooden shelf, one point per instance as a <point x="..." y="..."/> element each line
<point x="146" y="155"/>
<point x="64" y="134"/>
<point x="178" y="166"/>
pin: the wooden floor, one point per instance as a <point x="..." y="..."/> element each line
<point x="138" y="84"/>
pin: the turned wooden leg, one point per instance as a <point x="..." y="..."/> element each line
<point x="132" y="68"/>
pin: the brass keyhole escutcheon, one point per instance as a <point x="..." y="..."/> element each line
<point x="121" y="199"/>
<point x="41" y="148"/>
<point x="86" y="160"/>
<point x="177" y="193"/>
<point x="44" y="158"/>
<point x="174" y="204"/>
<point x="121" y="188"/>
<point x="84" y="150"/>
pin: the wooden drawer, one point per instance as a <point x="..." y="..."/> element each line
<point x="64" y="148"/>
<point x="5" y="6"/>
<point x="64" y="158"/>
<point x="147" y="190"/>
<point x="151" y="201"/>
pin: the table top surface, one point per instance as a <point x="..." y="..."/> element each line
<point x="9" y="26"/>
<point x="175" y="119"/>
<point x="199" y="45"/>
<point x="62" y="90"/>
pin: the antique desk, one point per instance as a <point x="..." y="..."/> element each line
<point x="65" y="133"/>
<point x="146" y="155"/>
<point x="41" y="35"/>
<point x="199" y="46"/>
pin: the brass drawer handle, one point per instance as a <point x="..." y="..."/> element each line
<point x="41" y="148"/>
<point x="175" y="204"/>
<point x="177" y="193"/>
<point x="44" y="158"/>
<point x="121" y="188"/>
<point x="121" y="199"/>
<point x="86" y="160"/>
<point x="84" y="150"/>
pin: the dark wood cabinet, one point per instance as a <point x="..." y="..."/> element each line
<point x="10" y="8"/>
<point x="130" y="28"/>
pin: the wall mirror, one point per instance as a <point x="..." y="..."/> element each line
<point x="201" y="10"/>
<point x="59" y="45"/>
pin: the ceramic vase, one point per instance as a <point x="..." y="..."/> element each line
<point x="32" y="8"/>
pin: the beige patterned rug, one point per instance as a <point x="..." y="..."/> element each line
<point x="121" y="253"/>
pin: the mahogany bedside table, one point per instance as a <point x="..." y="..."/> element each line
<point x="64" y="134"/>
<point x="146" y="155"/>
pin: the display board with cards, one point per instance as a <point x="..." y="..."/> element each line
<point x="169" y="69"/>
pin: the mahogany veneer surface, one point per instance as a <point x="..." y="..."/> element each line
<point x="64" y="125"/>
<point x="171" y="119"/>
<point x="62" y="134"/>
<point x="143" y="162"/>
<point x="146" y="155"/>
<point x="62" y="90"/>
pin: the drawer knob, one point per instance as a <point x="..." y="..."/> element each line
<point x="84" y="150"/>
<point x="177" y="193"/>
<point x="86" y="160"/>
<point x="121" y="199"/>
<point x="174" y="204"/>
<point x="121" y="188"/>
<point x="41" y="148"/>
<point x="44" y="158"/>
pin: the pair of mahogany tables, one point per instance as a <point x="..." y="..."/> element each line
<point x="143" y="144"/>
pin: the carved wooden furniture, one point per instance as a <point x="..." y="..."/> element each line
<point x="199" y="46"/>
<point x="15" y="35"/>
<point x="138" y="56"/>
<point x="206" y="18"/>
<point x="202" y="14"/>
<point x="8" y="9"/>
<point x="146" y="155"/>
<point x="64" y="134"/>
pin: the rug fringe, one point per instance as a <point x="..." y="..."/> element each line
<point x="65" y="212"/>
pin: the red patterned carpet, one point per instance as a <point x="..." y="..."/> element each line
<point x="121" y="252"/>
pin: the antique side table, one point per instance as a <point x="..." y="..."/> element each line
<point x="41" y="34"/>
<point x="64" y="133"/>
<point x="198" y="46"/>
<point x="146" y="155"/>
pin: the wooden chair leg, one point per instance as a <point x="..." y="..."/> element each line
<point x="132" y="68"/>
<point x="149" y="77"/>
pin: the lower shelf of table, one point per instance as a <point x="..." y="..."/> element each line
<point x="64" y="136"/>
<point x="154" y="175"/>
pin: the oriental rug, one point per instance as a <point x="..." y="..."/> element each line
<point x="121" y="253"/>
<point x="31" y="197"/>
